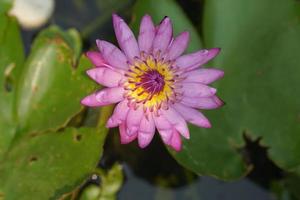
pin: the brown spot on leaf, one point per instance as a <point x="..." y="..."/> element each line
<point x="259" y="72"/>
<point x="33" y="134"/>
<point x="58" y="40"/>
<point x="60" y="57"/>
<point x="298" y="118"/>
<point x="34" y="88"/>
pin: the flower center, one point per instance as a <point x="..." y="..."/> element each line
<point x="150" y="83"/>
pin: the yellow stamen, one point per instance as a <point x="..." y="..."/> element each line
<point x="135" y="87"/>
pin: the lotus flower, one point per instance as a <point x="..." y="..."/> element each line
<point x="153" y="84"/>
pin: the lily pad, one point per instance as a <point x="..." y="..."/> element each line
<point x="37" y="100"/>
<point x="48" y="165"/>
<point x="51" y="86"/>
<point x="260" y="56"/>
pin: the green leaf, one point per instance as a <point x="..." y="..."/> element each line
<point x="5" y="5"/>
<point x="212" y="152"/>
<point x="47" y="165"/>
<point x="39" y="99"/>
<point x="260" y="56"/>
<point x="50" y="87"/>
<point x="158" y="10"/>
<point x="11" y="59"/>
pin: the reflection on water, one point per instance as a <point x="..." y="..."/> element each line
<point x="205" y="188"/>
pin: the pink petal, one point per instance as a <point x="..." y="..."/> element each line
<point x="176" y="142"/>
<point x="191" y="115"/>
<point x="178" y="45"/>
<point x="125" y="38"/>
<point x="203" y="102"/>
<point x="205" y="76"/>
<point x="96" y="58"/>
<point x="133" y="120"/>
<point x="197" y="90"/>
<point x="194" y="60"/>
<point x="125" y="139"/>
<point x="112" y="55"/>
<point x="177" y="121"/>
<point x="163" y="36"/>
<point x="147" y="34"/>
<point x="119" y="115"/>
<point x="146" y="131"/>
<point x="164" y="128"/>
<point x="106" y="76"/>
<point x="104" y="97"/>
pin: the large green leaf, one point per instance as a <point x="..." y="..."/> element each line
<point x="50" y="87"/>
<point x="158" y="10"/>
<point x="36" y="100"/>
<point x="260" y="42"/>
<point x="11" y="58"/>
<point x="47" y="165"/>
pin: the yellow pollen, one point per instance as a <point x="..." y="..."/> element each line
<point x="143" y="88"/>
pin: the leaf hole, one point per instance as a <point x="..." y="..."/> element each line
<point x="8" y="80"/>
<point x="78" y="137"/>
<point x="33" y="159"/>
